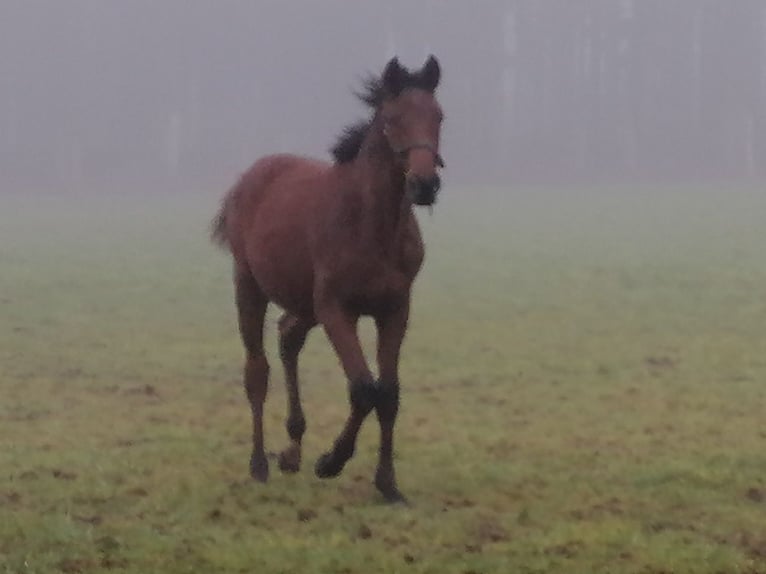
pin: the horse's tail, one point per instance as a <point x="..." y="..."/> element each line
<point x="218" y="227"/>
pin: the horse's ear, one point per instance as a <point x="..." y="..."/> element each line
<point x="431" y="73"/>
<point x="394" y="77"/>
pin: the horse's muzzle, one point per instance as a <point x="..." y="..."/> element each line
<point x="423" y="191"/>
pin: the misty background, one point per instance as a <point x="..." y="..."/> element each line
<point x="184" y="94"/>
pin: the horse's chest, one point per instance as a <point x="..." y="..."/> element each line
<point x="383" y="286"/>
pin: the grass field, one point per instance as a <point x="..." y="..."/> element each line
<point x="584" y="390"/>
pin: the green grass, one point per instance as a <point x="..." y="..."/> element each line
<point x="584" y="390"/>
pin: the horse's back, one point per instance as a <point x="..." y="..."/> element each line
<point x="272" y="182"/>
<point x="275" y="173"/>
<point x="272" y="207"/>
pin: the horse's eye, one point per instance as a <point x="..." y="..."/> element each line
<point x="393" y="121"/>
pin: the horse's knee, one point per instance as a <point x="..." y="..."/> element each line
<point x="388" y="400"/>
<point x="256" y="376"/>
<point x="363" y="394"/>
<point x="292" y="335"/>
<point x="296" y="426"/>
<point x="288" y="348"/>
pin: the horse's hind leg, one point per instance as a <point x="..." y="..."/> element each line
<point x="292" y="336"/>
<point x="251" y="310"/>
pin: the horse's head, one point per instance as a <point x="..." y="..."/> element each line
<point x="412" y="120"/>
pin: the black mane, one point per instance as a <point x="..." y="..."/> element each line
<point x="349" y="142"/>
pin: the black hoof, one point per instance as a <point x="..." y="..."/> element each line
<point x="327" y="466"/>
<point x="290" y="460"/>
<point x="259" y="469"/>
<point x="386" y="485"/>
<point x="392" y="495"/>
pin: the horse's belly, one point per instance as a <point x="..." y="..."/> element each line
<point x="290" y="290"/>
<point x="280" y="261"/>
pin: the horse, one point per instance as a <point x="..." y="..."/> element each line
<point x="328" y="243"/>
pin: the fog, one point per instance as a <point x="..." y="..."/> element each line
<point x="176" y="94"/>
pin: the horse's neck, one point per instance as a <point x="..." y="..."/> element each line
<point x="385" y="202"/>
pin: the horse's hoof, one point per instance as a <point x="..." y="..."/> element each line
<point x="394" y="496"/>
<point x="290" y="460"/>
<point x="259" y="469"/>
<point x="386" y="485"/>
<point x="327" y="467"/>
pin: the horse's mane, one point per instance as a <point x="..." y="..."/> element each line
<point x="349" y="142"/>
<point x="372" y="93"/>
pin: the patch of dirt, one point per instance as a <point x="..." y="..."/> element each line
<point x="364" y="532"/>
<point x="491" y="531"/>
<point x="71" y="374"/>
<point x="29" y="475"/>
<point x="88" y="500"/>
<point x="663" y="525"/>
<point x="503" y="448"/>
<point x="458" y="503"/>
<point x="215" y="514"/>
<point x="94" y="520"/>
<point x="409" y="559"/>
<point x="524" y="518"/>
<point x="395" y="541"/>
<point x="753" y="547"/>
<point x="146" y="390"/>
<point x="566" y="550"/>
<point x="129" y="442"/>
<point x="107" y="544"/>
<point x="603" y="371"/>
<point x="28" y="416"/>
<point x="137" y="491"/>
<point x="63" y="474"/>
<point x="306" y="515"/>
<point x="625" y="555"/>
<point x="659" y="363"/>
<point x="276" y="498"/>
<point x="9" y="498"/>
<point x="112" y="563"/>
<point x="610" y="507"/>
<point x="74" y="565"/>
<point x="755" y="494"/>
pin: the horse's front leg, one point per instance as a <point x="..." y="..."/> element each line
<point x="392" y="327"/>
<point x="340" y="326"/>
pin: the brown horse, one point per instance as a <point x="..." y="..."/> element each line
<point x="329" y="243"/>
